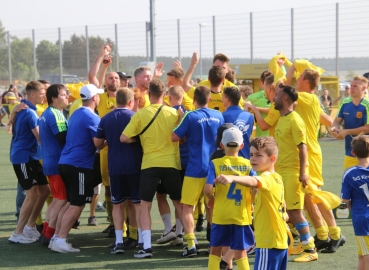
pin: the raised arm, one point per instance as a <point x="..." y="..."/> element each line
<point x="92" y="73"/>
<point x="187" y="77"/>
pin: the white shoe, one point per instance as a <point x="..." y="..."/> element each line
<point x="21" y="239"/>
<point x="51" y="242"/>
<point x="63" y="247"/>
<point x="178" y="241"/>
<point x="166" y="237"/>
<point x="31" y="233"/>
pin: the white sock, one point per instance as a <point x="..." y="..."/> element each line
<point x="54" y="236"/>
<point x="179" y="227"/>
<point x="146" y="235"/>
<point x="140" y="240"/>
<point x="167" y="222"/>
<point x="61" y="240"/>
<point x="196" y="241"/>
<point x="28" y="228"/>
<point x="118" y="236"/>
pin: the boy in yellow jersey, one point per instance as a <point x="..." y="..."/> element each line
<point x="269" y="222"/>
<point x="270" y="121"/>
<point x="292" y="165"/>
<point x="232" y="203"/>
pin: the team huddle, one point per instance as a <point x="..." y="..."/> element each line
<point x="194" y="144"/>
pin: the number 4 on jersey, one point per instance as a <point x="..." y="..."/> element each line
<point x="234" y="194"/>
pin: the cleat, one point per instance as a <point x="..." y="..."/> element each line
<point x="166" y="238"/>
<point x="130" y="244"/>
<point x="192" y="252"/>
<point x="334" y="245"/>
<point x="200" y="223"/>
<point x="100" y="207"/>
<point x="63" y="247"/>
<point x="143" y="253"/>
<point x="198" y="250"/>
<point x="118" y="249"/>
<point x="251" y="250"/>
<point x="32" y="233"/>
<point x="21" y="239"/>
<point x="321" y="244"/>
<point x="92" y="221"/>
<point x="223" y="265"/>
<point x="111" y="233"/>
<point x="307" y="257"/>
<point x="297" y="250"/>
<point x="40" y="228"/>
<point x="76" y="224"/>
<point x="111" y="226"/>
<point x="178" y="241"/>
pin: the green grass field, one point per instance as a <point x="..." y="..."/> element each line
<point x="96" y="255"/>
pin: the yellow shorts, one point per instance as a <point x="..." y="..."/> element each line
<point x="315" y="169"/>
<point x="192" y="189"/>
<point x="293" y="193"/>
<point x="363" y="243"/>
<point x="350" y="162"/>
<point x="104" y="167"/>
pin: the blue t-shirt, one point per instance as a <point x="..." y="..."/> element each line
<point x="355" y="188"/>
<point x="51" y="122"/>
<point x="183" y="147"/>
<point x="200" y="129"/>
<point x="354" y="117"/>
<point x="79" y="150"/>
<point x="124" y="158"/>
<point x="24" y="144"/>
<point x="245" y="122"/>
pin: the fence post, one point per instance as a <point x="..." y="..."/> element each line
<point x="179" y="40"/>
<point x="9" y="60"/>
<point x="60" y="56"/>
<point x="251" y="41"/>
<point x="337" y="37"/>
<point x="87" y="49"/>
<point x="148" y="27"/>
<point x="214" y="37"/>
<point x="116" y="48"/>
<point x="292" y="35"/>
<point x="34" y="54"/>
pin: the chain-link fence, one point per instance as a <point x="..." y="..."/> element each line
<point x="332" y="36"/>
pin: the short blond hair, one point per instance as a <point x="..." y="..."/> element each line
<point x="176" y="92"/>
<point x="124" y="96"/>
<point x="361" y="78"/>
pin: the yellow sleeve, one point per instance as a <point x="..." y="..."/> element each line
<point x="74" y="89"/>
<point x="298" y="130"/>
<point x="272" y="117"/>
<point x="276" y="69"/>
<point x="187" y="102"/>
<point x="133" y="127"/>
<point x="191" y="92"/>
<point x="165" y="101"/>
<point x="301" y="65"/>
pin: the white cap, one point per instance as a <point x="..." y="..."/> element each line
<point x="90" y="90"/>
<point x="232" y="137"/>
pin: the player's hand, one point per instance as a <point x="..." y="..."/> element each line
<point x="22" y="106"/>
<point x="248" y="107"/>
<point x="176" y="64"/>
<point x="210" y="203"/>
<point x="195" y="59"/>
<point x="303" y="178"/>
<point x="223" y="179"/>
<point x="108" y="60"/>
<point x="341" y="134"/>
<point x="106" y="49"/>
<point x="158" y="72"/>
<point x="180" y="112"/>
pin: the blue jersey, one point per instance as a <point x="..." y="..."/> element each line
<point x="183" y="147"/>
<point x="124" y="158"/>
<point x="355" y="188"/>
<point x="200" y="129"/>
<point x="79" y="150"/>
<point x="354" y="117"/>
<point x="24" y="144"/>
<point x="245" y="122"/>
<point x="52" y="122"/>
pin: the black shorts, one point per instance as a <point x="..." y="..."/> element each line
<point x="161" y="189"/>
<point x="30" y="174"/>
<point x="96" y="175"/>
<point x="170" y="178"/>
<point x="125" y="187"/>
<point x="78" y="183"/>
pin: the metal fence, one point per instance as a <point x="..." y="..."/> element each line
<point x="332" y="36"/>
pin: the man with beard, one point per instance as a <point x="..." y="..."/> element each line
<point x="143" y="78"/>
<point x="106" y="105"/>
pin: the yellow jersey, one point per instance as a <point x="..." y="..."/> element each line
<point x="12" y="106"/>
<point x="41" y="108"/>
<point x="232" y="204"/>
<point x="158" y="148"/>
<point x="147" y="100"/>
<point x="289" y="133"/>
<point x="106" y="105"/>
<point x="269" y="212"/>
<point x="272" y="119"/>
<point x="77" y="103"/>
<point x="187" y="102"/>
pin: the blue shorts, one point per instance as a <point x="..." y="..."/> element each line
<point x="270" y="259"/>
<point x="125" y="187"/>
<point x="235" y="236"/>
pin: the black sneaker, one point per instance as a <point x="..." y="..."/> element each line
<point x="335" y="244"/>
<point x="321" y="244"/>
<point x="208" y="232"/>
<point x="198" y="250"/>
<point x="108" y="228"/>
<point x="76" y="224"/>
<point x="192" y="252"/>
<point x="40" y="228"/>
<point x="200" y="223"/>
<point x="130" y="244"/>
<point x="223" y="265"/>
<point x="45" y="240"/>
<point x="40" y="238"/>
<point x="111" y="233"/>
<point x="117" y="249"/>
<point x="143" y="253"/>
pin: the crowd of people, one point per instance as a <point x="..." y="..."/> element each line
<point x="193" y="143"/>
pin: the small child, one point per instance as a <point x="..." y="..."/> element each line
<point x="269" y="212"/>
<point x="232" y="203"/>
<point x="12" y="103"/>
<point x="355" y="193"/>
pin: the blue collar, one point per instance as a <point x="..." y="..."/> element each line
<point x="234" y="108"/>
<point x="30" y="105"/>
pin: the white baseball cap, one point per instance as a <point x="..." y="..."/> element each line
<point x="90" y="90"/>
<point x="232" y="137"/>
